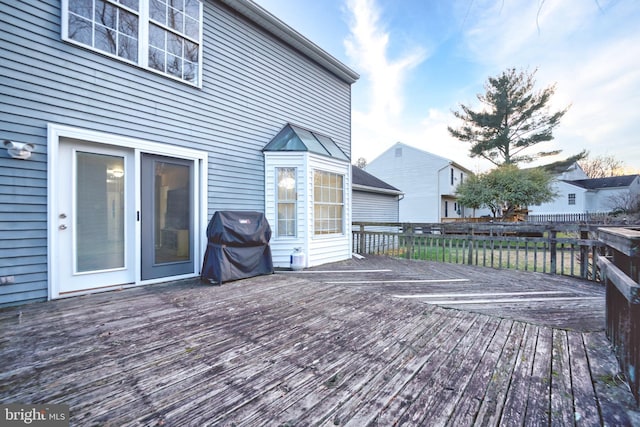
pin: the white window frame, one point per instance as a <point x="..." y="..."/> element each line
<point x="329" y="203"/>
<point x="571" y="199"/>
<point x="143" y="39"/>
<point x="293" y="201"/>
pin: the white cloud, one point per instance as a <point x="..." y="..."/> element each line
<point x="382" y="77"/>
<point x="590" y="49"/>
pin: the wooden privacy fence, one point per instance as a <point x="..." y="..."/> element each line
<point x="555" y="249"/>
<point x="621" y="275"/>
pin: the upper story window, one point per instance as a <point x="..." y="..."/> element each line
<point x="163" y="35"/>
<point x="572" y="198"/>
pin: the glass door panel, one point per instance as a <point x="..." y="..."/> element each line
<point x="100" y="202"/>
<point x="167" y="216"/>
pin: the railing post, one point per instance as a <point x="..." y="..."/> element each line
<point x="362" y="240"/>
<point x="408" y="229"/>
<point x="553" y="251"/>
<point x="584" y="256"/>
<point x="470" y="253"/>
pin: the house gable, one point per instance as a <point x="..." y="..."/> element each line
<point x="427" y="180"/>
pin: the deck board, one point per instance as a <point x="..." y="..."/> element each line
<point x="302" y="349"/>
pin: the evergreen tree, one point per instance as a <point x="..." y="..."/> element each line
<point x="513" y="119"/>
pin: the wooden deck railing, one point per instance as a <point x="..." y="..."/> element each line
<point x="555" y="249"/>
<point x="621" y="275"/>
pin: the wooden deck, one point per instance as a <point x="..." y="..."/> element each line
<point x="334" y="346"/>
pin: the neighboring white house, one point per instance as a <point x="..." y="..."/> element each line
<point x="428" y="181"/>
<point x="579" y="194"/>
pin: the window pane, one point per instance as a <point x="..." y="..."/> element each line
<point x="128" y="48"/>
<point x="158" y="11"/>
<point x="192" y="8"/>
<point x="177" y="4"/>
<point x="175" y="20"/>
<point x="192" y="28"/>
<point x="131" y="4"/>
<point x="80" y="30"/>
<point x="128" y="24"/>
<point x="174" y="65"/>
<point x="191" y="51"/>
<point x="156" y="59"/>
<point x="286" y="201"/>
<point x="106" y="14"/>
<point x="174" y="44"/>
<point x="190" y="72"/>
<point x="157" y="37"/>
<point x="105" y="39"/>
<point x="286" y="219"/>
<point x="286" y="183"/>
<point x="82" y="7"/>
<point x="100" y="207"/>
<point x="172" y="211"/>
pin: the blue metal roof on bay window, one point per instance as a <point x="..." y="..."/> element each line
<point x="295" y="138"/>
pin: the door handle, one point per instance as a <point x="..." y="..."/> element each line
<point x="62" y="227"/>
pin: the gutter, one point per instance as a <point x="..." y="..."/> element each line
<point x="376" y="190"/>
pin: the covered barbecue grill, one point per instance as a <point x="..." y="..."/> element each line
<point x="238" y="247"/>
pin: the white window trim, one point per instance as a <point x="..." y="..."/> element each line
<point x="143" y="42"/>
<point x="276" y="201"/>
<point x="343" y="204"/>
<point x="200" y="158"/>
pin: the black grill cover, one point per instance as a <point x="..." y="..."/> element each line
<point x="238" y="247"/>
<point x="239" y="228"/>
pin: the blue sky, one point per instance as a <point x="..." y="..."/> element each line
<point x="419" y="59"/>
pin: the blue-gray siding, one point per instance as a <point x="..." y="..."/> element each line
<point x="374" y="207"/>
<point x="252" y="85"/>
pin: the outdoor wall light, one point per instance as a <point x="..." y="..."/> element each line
<point x="19" y="150"/>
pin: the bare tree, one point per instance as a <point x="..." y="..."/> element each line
<point x="602" y="166"/>
<point x="625" y="203"/>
